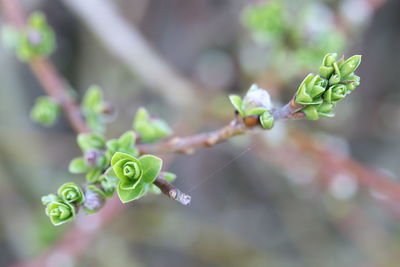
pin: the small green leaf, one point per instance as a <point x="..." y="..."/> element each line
<point x="131" y="194"/>
<point x="127" y="140"/>
<point x="87" y="141"/>
<point x="237" y="103"/>
<point x="93" y="99"/>
<point x="78" y="165"/>
<point x="256" y="111"/>
<point x="151" y="167"/>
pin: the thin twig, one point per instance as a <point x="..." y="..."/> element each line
<point x="171" y="191"/>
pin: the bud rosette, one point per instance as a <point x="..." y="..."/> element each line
<point x="310" y="90"/>
<point x="335" y="93"/>
<point x="60" y="212"/>
<point x="135" y="175"/>
<point x="150" y="128"/>
<point x="37" y="40"/>
<point x="71" y="193"/>
<point x="45" y="111"/>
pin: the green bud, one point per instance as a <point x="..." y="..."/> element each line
<point x="37" y="40"/>
<point x="256" y="101"/>
<point x="314" y="112"/>
<point x="326" y="109"/>
<point x="267" y="120"/>
<point x="310" y="90"/>
<point x="335" y="93"/>
<point x="334" y="79"/>
<point x="45" y="111"/>
<point x="327" y="69"/>
<point x="350" y="65"/>
<point x="151" y="129"/>
<point x="71" y="193"/>
<point x="60" y="212"/>
<point x="92" y="101"/>
<point x="126" y="144"/>
<point x="355" y="82"/>
<point x="329" y="59"/>
<point x="311" y="112"/>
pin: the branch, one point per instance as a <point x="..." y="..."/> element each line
<point x="188" y="145"/>
<point x="171" y="191"/>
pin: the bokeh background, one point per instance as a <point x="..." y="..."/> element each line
<point x="278" y="198"/>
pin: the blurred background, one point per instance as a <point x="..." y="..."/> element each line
<point x="298" y="195"/>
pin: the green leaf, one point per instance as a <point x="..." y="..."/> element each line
<point x="237" y="103"/>
<point x="151" y="167"/>
<point x="131" y="194"/>
<point x="150" y="129"/>
<point x="256" y="111"/>
<point x="127" y="140"/>
<point x="93" y="99"/>
<point x="87" y="141"/>
<point x="45" y="111"/>
<point x="78" y="165"/>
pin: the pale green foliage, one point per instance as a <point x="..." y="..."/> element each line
<point x="45" y="111"/>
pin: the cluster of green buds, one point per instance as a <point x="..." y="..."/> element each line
<point x="256" y="104"/>
<point x="95" y="110"/>
<point x="110" y="166"/>
<point x="37" y="39"/>
<point x="45" y="110"/>
<point x="320" y="93"/>
<point x="62" y="208"/>
<point x="150" y="128"/>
